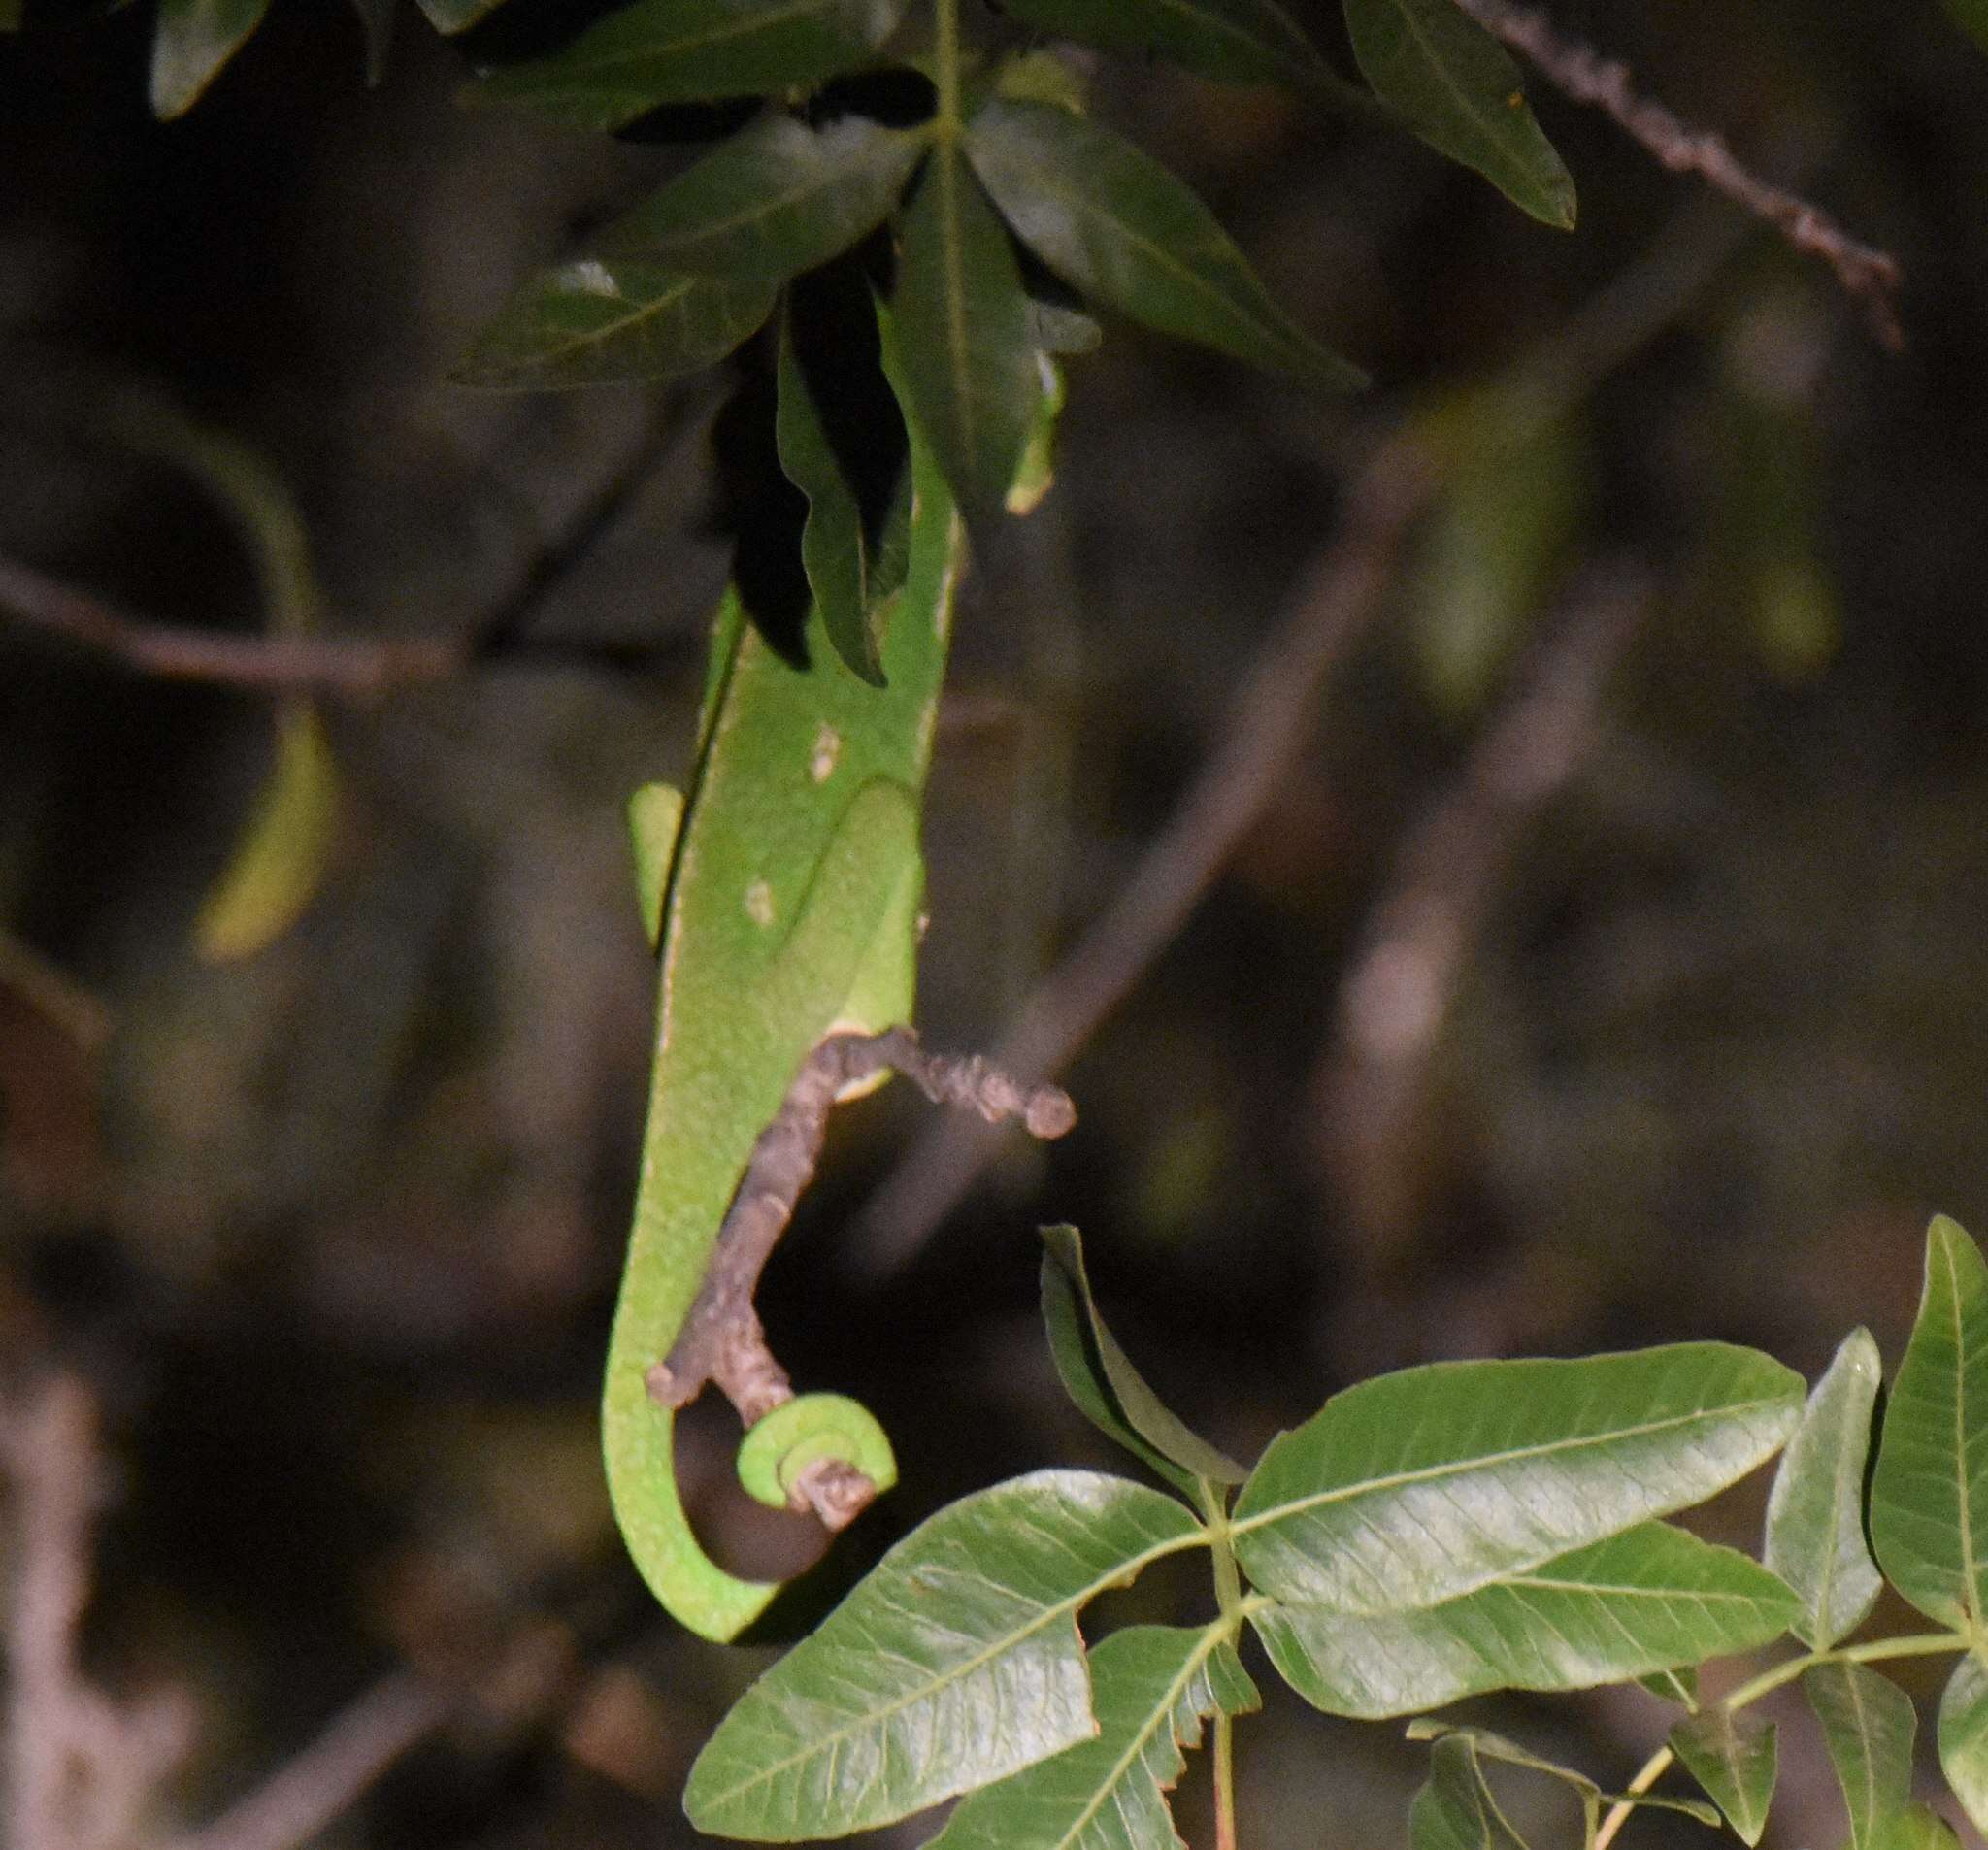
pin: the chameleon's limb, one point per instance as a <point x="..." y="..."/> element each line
<point x="809" y="1431"/>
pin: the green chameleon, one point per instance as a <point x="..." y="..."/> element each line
<point x="783" y="894"/>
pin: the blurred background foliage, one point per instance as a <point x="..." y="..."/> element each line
<point x="332" y="1228"/>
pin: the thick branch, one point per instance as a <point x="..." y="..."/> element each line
<point x="1870" y="276"/>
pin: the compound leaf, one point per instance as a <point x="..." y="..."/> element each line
<point x="1929" y="1495"/>
<point x="190" y="42"/>
<point x="1114" y="224"/>
<point x="1454" y="1808"/>
<point x="1733" y="1758"/>
<point x="776" y="198"/>
<point x="963" y="335"/>
<point x="1098" y="1375"/>
<point x="660" y="52"/>
<point x="1460" y="92"/>
<point x="1964" y="1737"/>
<point x="1418" y="1486"/>
<point x="955" y="1663"/>
<point x="1867" y="1725"/>
<point x="606" y="319"/>
<point x="1151" y="1687"/>
<point x="1815" y="1514"/>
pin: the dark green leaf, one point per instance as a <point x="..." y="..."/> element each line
<point x="835" y="551"/>
<point x="598" y="320"/>
<point x="1414" y="1488"/>
<point x="953" y="1665"/>
<point x="1964" y="1737"/>
<point x="1624" y="1607"/>
<point x="1916" y="1827"/>
<point x="962" y="324"/>
<point x="1674" y="1686"/>
<point x="1815" y="1516"/>
<point x="1114" y="224"/>
<point x="1099" y="1377"/>
<point x="1454" y="1810"/>
<point x="1733" y="1758"/>
<point x="660" y="52"/>
<point x="456" y="16"/>
<point x="1929" y="1495"/>
<point x="1151" y="1685"/>
<point x="190" y="42"/>
<point x="376" y="21"/>
<point x="10" y="15"/>
<point x="1867" y="1726"/>
<point x="1972" y="16"/>
<point x="776" y="198"/>
<point x="1491" y="1746"/>
<point x="1460" y="92"/>
<point x="1232" y="41"/>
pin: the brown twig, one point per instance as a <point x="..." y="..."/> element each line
<point x="81" y="1769"/>
<point x="308" y="1791"/>
<point x="1268" y="723"/>
<point x="1399" y="989"/>
<point x="350" y="666"/>
<point x="1870" y="276"/>
<point x="722" y="1340"/>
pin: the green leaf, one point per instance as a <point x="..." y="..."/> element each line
<point x="1674" y="1686"/>
<point x="1422" y="1485"/>
<point x="285" y="847"/>
<point x="955" y="1663"/>
<point x="660" y="52"/>
<point x="456" y="16"/>
<point x="835" y="551"/>
<point x="1460" y="92"/>
<point x="1491" y="1746"/>
<point x="10" y="15"/>
<point x="1625" y="1607"/>
<point x="1916" y="1827"/>
<point x="1815" y="1515"/>
<point x="1929" y="1495"/>
<point x="601" y="320"/>
<point x="1867" y="1726"/>
<point x="1972" y="16"/>
<point x="1112" y="221"/>
<point x="190" y="42"/>
<point x="1964" y="1737"/>
<point x="1151" y="1687"/>
<point x="775" y="199"/>
<point x="963" y="335"/>
<point x="1232" y="41"/>
<point x="1454" y="1810"/>
<point x="1733" y="1758"/>
<point x="1098" y="1375"/>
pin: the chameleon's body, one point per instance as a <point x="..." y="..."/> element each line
<point x="785" y="907"/>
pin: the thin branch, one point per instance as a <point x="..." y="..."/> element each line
<point x="1402" y="983"/>
<point x="308" y="1791"/>
<point x="1870" y="276"/>
<point x="81" y="1769"/>
<point x="1269" y="720"/>
<point x="351" y="667"/>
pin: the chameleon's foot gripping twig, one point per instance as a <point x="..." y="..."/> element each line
<point x="722" y="1340"/>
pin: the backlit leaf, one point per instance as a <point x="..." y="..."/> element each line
<point x="608" y="319"/>
<point x="1929" y="1495"/>
<point x="1460" y="92"/>
<point x="190" y="42"/>
<point x="1867" y="1725"/>
<point x="955" y="1663"/>
<point x="660" y="52"/>
<point x="1815" y="1516"/>
<point x="1625" y="1607"/>
<point x="773" y="200"/>
<point x="1151" y="1687"/>
<point x="963" y="335"/>
<point x="1098" y="1375"/>
<point x="1418" y="1486"/>
<point x="1733" y="1758"/>
<point x="1917" y="1827"/>
<point x="1114" y="224"/>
